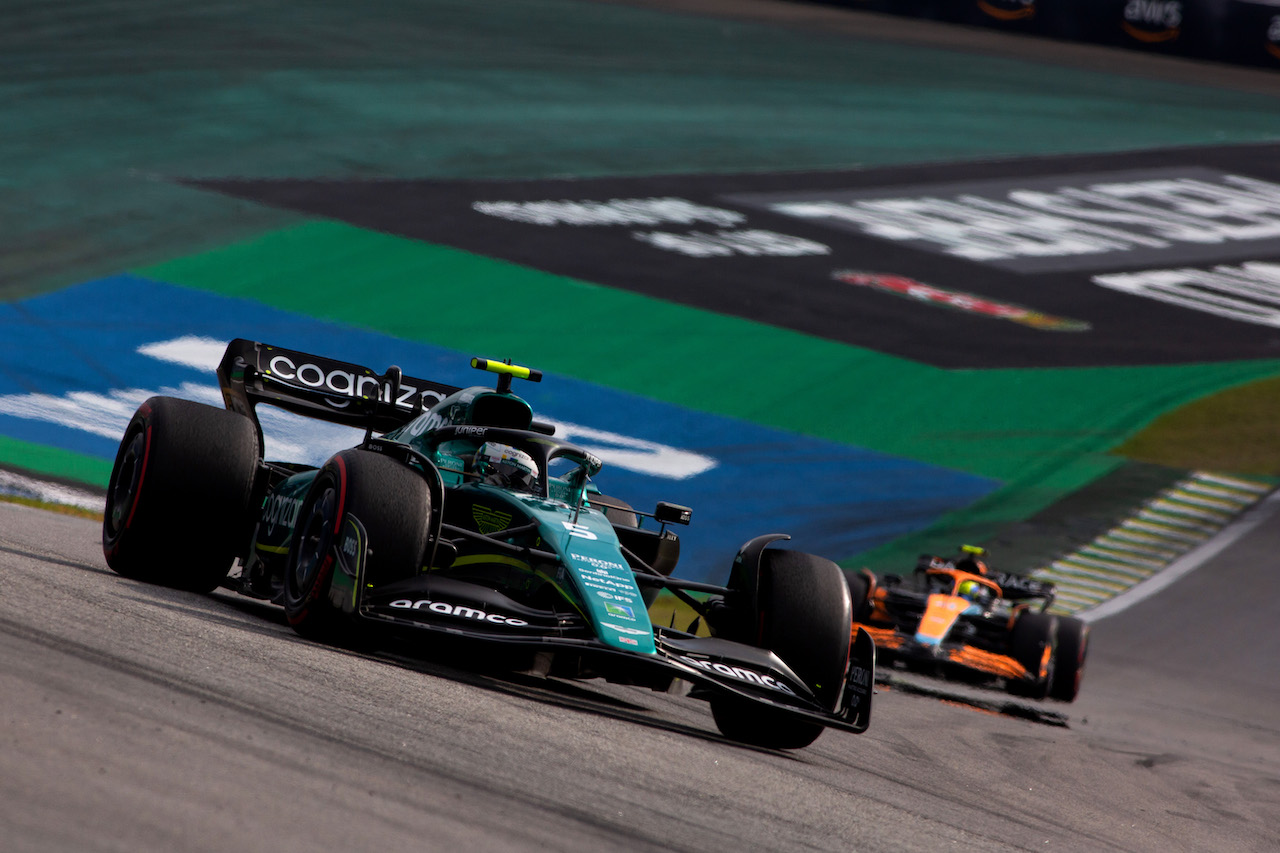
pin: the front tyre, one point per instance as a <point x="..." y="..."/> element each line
<point x="1033" y="643"/>
<point x="393" y="505"/>
<point x="177" y="510"/>
<point x="1068" y="669"/>
<point x="804" y="617"/>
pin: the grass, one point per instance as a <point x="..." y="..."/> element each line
<point x="1234" y="431"/>
<point x="63" y="509"/>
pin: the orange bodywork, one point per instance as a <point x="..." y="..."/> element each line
<point x="970" y="656"/>
<point x="941" y="611"/>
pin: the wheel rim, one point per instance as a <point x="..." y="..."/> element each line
<point x="314" y="541"/>
<point x="123" y="493"/>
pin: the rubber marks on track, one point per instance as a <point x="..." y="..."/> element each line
<point x="974" y="698"/>
<point x="1164" y="528"/>
<point x="1159" y="257"/>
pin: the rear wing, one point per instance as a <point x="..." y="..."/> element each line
<point x="1013" y="587"/>
<point x="1021" y="587"/>
<point x="324" y="388"/>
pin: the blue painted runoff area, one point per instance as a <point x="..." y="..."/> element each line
<point x="74" y="364"/>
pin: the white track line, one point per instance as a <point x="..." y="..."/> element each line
<point x="1188" y="562"/>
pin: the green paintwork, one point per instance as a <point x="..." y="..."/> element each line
<point x="599" y="581"/>
<point x="593" y="559"/>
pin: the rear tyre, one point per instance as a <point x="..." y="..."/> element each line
<point x="804" y="617"/>
<point x="1068" y="669"/>
<point x="616" y="510"/>
<point x="177" y="510"/>
<point x="859" y="593"/>
<point x="1033" y="643"/>
<point x="391" y="501"/>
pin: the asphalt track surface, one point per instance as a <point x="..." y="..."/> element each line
<point x="139" y="718"/>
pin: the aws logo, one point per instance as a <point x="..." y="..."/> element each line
<point x="1008" y="10"/>
<point x="1153" y="21"/>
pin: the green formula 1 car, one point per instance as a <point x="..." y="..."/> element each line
<point x="461" y="516"/>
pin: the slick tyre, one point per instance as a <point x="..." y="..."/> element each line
<point x="1033" y="643"/>
<point x="178" y="502"/>
<point x="616" y="510"/>
<point x="859" y="593"/>
<point x="391" y="502"/>
<point x="1068" y="669"/>
<point x="805" y="618"/>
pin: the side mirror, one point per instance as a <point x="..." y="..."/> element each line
<point x="672" y="513"/>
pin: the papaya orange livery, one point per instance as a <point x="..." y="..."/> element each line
<point x="958" y="619"/>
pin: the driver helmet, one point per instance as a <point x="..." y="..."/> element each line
<point x="972" y="590"/>
<point x="971" y="561"/>
<point x="506" y="466"/>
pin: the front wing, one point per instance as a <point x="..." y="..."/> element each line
<point x="711" y="663"/>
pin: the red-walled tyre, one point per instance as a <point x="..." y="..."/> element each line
<point x="392" y="503"/>
<point x="177" y="510"/>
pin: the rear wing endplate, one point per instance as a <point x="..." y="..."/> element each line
<point x="324" y="388"/>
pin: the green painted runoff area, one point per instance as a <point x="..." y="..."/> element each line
<point x="54" y="461"/>
<point x="1044" y="433"/>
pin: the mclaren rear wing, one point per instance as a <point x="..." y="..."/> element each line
<point x="1021" y="588"/>
<point x="319" y="387"/>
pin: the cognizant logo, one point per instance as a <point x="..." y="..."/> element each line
<point x="280" y="510"/>
<point x="344" y="383"/>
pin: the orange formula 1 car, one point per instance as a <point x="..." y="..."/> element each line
<point x="958" y="619"/>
